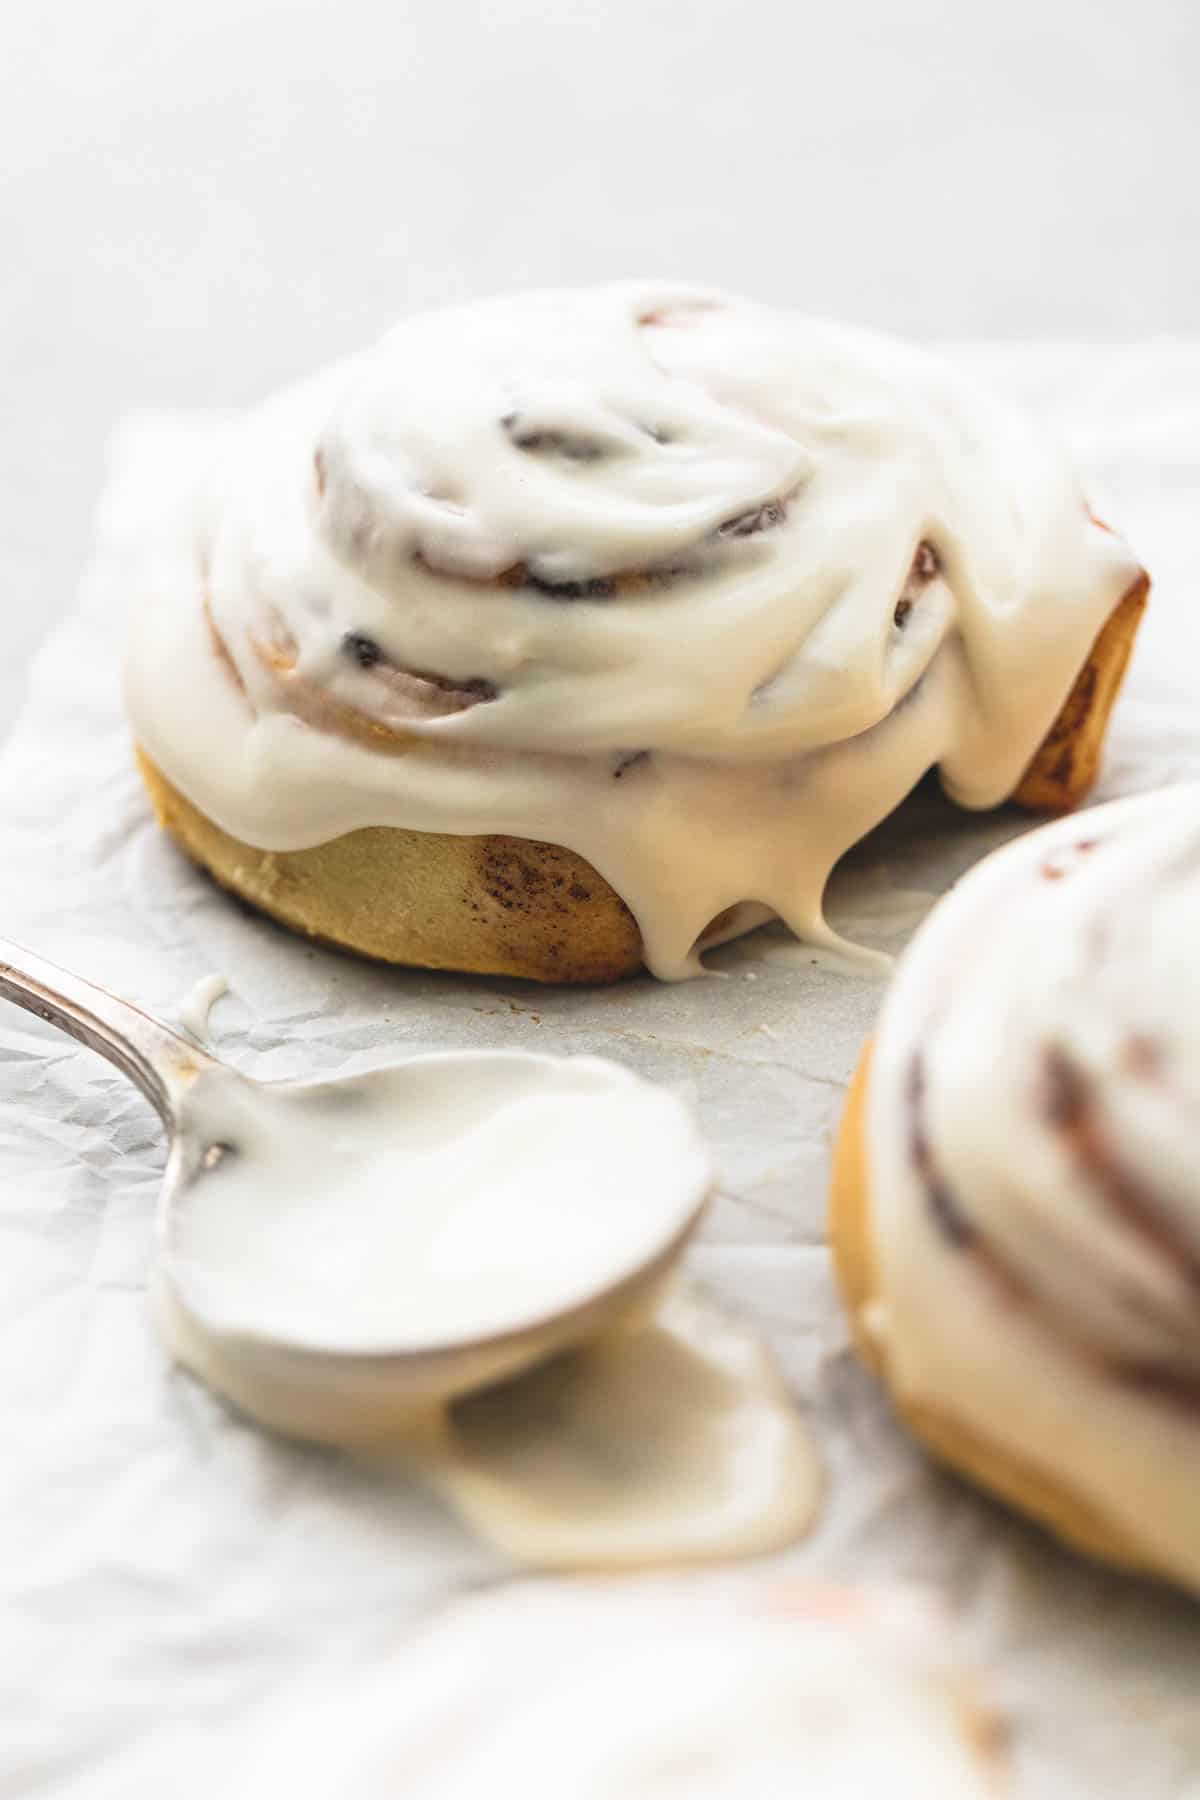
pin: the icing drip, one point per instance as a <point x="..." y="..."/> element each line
<point x="693" y="587"/>
<point x="196" y="1010"/>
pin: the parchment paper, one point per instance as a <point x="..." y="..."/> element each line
<point x="168" y="1571"/>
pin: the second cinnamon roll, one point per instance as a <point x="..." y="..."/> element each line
<point x="1016" y="1198"/>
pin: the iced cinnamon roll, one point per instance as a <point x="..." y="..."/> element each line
<point x="571" y="631"/>
<point x="1016" y="1200"/>
<point x="644" y="1690"/>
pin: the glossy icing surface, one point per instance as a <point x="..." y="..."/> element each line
<point x="435" y="1201"/>
<point x="692" y="586"/>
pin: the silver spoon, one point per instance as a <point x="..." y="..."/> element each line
<point x="315" y="1390"/>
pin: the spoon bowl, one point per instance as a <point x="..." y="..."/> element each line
<point x="519" y="1205"/>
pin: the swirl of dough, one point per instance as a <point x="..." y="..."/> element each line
<point x="1034" y="1181"/>
<point x="523" y="546"/>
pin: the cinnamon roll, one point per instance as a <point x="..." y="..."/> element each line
<point x="1016" y="1196"/>
<point x="574" y="630"/>
<point x="644" y="1690"/>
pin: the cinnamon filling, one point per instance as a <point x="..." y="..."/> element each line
<point x="570" y="445"/>
<point x="772" y="512"/>
<point x="952" y="1221"/>
<point x="680" y="312"/>
<point x="628" y="583"/>
<point x="368" y="654"/>
<point x="926" y="565"/>
<point x="363" y="649"/>
<point x="221" y="649"/>
<point x="1068" y="1108"/>
<point x="1064" y="862"/>
<point x="278" y="652"/>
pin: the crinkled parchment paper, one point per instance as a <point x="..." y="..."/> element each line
<point x="168" y="1570"/>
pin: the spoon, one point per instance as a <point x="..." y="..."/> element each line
<point x="339" y="1257"/>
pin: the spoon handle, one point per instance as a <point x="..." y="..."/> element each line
<point x="162" y="1063"/>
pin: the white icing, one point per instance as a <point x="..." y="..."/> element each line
<point x="1073" y="947"/>
<point x="644" y="1691"/>
<point x="435" y="1202"/>
<point x="197" y="1006"/>
<point x="675" y="1441"/>
<point x="576" y="435"/>
<point x="396" y="1264"/>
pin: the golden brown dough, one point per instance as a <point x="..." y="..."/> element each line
<point x="1064" y="770"/>
<point x="490" y="905"/>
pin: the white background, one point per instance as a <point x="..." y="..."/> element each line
<point x="198" y="201"/>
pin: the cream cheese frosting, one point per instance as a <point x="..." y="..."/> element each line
<point x="461" y="1265"/>
<point x="694" y="587"/>
<point x="1031" y="1136"/>
<point x="643" y="1691"/>
<point x="675" y="1441"/>
<point x="440" y="1201"/>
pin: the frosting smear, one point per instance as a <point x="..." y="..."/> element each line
<point x="460" y="1265"/>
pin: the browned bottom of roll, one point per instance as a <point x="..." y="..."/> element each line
<point x="489" y="905"/>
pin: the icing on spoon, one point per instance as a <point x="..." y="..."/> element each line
<point x="351" y="1261"/>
